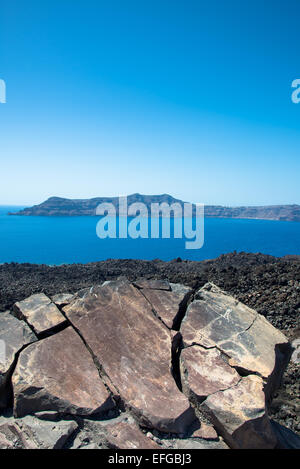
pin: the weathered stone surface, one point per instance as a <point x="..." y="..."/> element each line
<point x="134" y="349"/>
<point x="14" y="335"/>
<point x="31" y="433"/>
<point x="199" y="444"/>
<point x="168" y="304"/>
<point x="203" y="431"/>
<point x="62" y="299"/>
<point x="58" y="374"/>
<point x="286" y="439"/>
<point x="40" y="313"/>
<point x="239" y="415"/>
<point x="251" y="342"/>
<point x="295" y="358"/>
<point x="204" y="372"/>
<point x="125" y="434"/>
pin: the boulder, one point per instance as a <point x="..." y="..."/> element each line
<point x="14" y="336"/>
<point x="286" y="439"/>
<point x="40" y="313"/>
<point x="203" y="431"/>
<point x="169" y="306"/>
<point x="32" y="433"/>
<point x="238" y="413"/>
<point x="59" y="374"/>
<point x="250" y="342"/>
<point x="295" y="358"/>
<point x="153" y="283"/>
<point x="205" y="372"/>
<point x="134" y="350"/>
<point x="62" y="299"/>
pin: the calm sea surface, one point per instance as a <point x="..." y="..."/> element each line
<point x="60" y="240"/>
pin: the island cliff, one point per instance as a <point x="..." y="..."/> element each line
<point x="57" y="206"/>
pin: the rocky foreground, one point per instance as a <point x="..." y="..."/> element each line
<point x="267" y="284"/>
<point x="142" y="364"/>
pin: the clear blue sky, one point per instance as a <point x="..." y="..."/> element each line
<point x="190" y="98"/>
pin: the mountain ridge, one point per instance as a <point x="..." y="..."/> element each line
<point x="59" y="206"/>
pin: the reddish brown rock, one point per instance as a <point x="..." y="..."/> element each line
<point x="62" y="299"/>
<point x="239" y="415"/>
<point x="203" y="431"/>
<point x="58" y="374"/>
<point x="125" y="434"/>
<point x="204" y="372"/>
<point x="14" y="335"/>
<point x="40" y="313"/>
<point x="252" y="344"/>
<point x="32" y="433"/>
<point x="134" y="349"/>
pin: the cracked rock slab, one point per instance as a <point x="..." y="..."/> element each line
<point x="126" y="434"/>
<point x="58" y="374"/>
<point x="204" y="372"/>
<point x="167" y="304"/>
<point x="199" y="444"/>
<point x="134" y="349"/>
<point x="239" y="415"/>
<point x="14" y="335"/>
<point x="153" y="284"/>
<point x="203" y="431"/>
<point x="31" y="433"/>
<point x="252" y="344"/>
<point x="40" y="313"/>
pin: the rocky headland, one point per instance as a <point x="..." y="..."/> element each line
<point x="58" y="206"/>
<point x="148" y="361"/>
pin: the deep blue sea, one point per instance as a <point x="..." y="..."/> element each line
<point x="66" y="240"/>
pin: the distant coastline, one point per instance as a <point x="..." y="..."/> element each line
<point x="57" y="206"/>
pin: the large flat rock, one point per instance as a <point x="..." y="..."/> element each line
<point x="58" y="374"/>
<point x="167" y="305"/>
<point x="239" y="415"/>
<point x="252" y="344"/>
<point x="40" y="313"/>
<point x="32" y="433"/>
<point x="205" y="372"/>
<point x="14" y="335"/>
<point x="134" y="349"/>
<point x="153" y="283"/>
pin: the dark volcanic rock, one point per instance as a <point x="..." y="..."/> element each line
<point x="239" y="415"/>
<point x="59" y="374"/>
<point x="134" y="349"/>
<point x="267" y="284"/>
<point x="168" y="305"/>
<point x="14" y="335"/>
<point x="251" y="343"/>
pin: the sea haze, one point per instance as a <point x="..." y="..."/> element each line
<point x="60" y="240"/>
